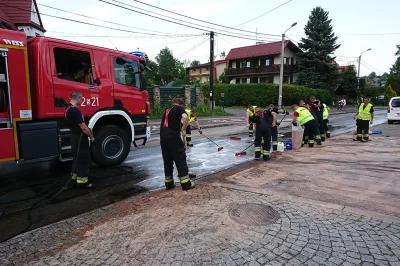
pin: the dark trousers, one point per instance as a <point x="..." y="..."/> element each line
<point x="263" y="133"/>
<point x="81" y="156"/>
<point x="274" y="133"/>
<point x="326" y="125"/>
<point x="310" y="132"/>
<point x="188" y="134"/>
<point x="321" y="127"/>
<point x="251" y="130"/>
<point x="173" y="150"/>
<point x="362" y="129"/>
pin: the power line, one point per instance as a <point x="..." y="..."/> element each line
<point x="377" y="70"/>
<point x="215" y="24"/>
<point x="82" y="22"/>
<point x="158" y="14"/>
<point x="263" y="14"/>
<point x="132" y="36"/>
<point x="102" y="20"/>
<point x="194" y="47"/>
<point x="363" y="63"/>
<point x="227" y="41"/>
<point x="185" y="25"/>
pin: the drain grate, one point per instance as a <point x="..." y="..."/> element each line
<point x="254" y="214"/>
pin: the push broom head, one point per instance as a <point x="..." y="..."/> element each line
<point x="234" y="138"/>
<point x="220" y="149"/>
<point x="240" y="153"/>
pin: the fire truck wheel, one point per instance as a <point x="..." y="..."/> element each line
<point x="111" y="146"/>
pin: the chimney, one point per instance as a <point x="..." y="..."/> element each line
<point x="222" y="56"/>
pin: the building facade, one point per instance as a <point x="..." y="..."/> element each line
<point x="21" y="15"/>
<point x="202" y="72"/>
<point x="261" y="63"/>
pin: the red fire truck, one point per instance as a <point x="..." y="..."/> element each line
<point x="37" y="76"/>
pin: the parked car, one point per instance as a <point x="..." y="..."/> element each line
<point x="393" y="110"/>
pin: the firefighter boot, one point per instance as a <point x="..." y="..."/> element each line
<point x="257" y="153"/>
<point x="274" y="146"/>
<point x="306" y="140"/>
<point x="73" y="180"/>
<point x="318" y="139"/>
<point x="302" y="143"/>
<point x="358" y="138"/>
<point x="311" y="143"/>
<point x="323" y="137"/>
<point x="365" y="138"/>
<point x="328" y="134"/>
<point x="266" y="155"/>
<point x="169" y="182"/>
<point x="186" y="183"/>
<point x="189" y="144"/>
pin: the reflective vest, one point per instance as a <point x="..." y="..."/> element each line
<point x="190" y="117"/>
<point x="304" y="116"/>
<point x="325" y="114"/>
<point x="251" y="113"/>
<point x="364" y="114"/>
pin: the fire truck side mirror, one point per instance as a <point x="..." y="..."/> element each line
<point x="142" y="81"/>
<point x="97" y="82"/>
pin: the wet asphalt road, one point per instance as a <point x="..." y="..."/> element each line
<point x="142" y="171"/>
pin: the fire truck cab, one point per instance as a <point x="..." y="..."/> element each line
<point x="36" y="78"/>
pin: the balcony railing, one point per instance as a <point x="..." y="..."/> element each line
<point x="265" y="69"/>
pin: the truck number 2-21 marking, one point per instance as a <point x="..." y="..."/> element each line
<point x="93" y="101"/>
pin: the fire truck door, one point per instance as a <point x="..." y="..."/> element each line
<point x="7" y="149"/>
<point x="72" y="71"/>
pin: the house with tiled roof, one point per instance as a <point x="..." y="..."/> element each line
<point x="261" y="63"/>
<point x="202" y="71"/>
<point x="22" y="15"/>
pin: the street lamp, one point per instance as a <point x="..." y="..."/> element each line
<point x="359" y="62"/>
<point x="281" y="72"/>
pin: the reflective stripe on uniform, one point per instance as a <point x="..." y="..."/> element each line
<point x="169" y="179"/>
<point x="325" y="114"/>
<point x="265" y="152"/>
<point x="257" y="149"/>
<point x="82" y="180"/>
<point x="185" y="180"/>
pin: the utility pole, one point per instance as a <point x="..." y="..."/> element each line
<point x="212" y="69"/>
<point x="281" y="71"/>
<point x="358" y="74"/>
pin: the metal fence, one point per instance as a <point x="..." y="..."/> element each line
<point x="150" y="90"/>
<point x="193" y="97"/>
<point x="168" y="93"/>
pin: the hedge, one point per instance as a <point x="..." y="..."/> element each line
<point x="263" y="94"/>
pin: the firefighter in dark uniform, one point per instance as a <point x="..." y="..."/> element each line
<point x="365" y="115"/>
<point x="79" y="142"/>
<point x="173" y="150"/>
<point x="316" y="134"/>
<point x="303" y="117"/>
<point x="249" y="116"/>
<point x="274" y="130"/>
<point x="192" y="117"/>
<point x="317" y="110"/>
<point x="264" y="120"/>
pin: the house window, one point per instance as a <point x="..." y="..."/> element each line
<point x="285" y="79"/>
<point x="73" y="65"/>
<point x="248" y="64"/>
<point x="126" y="73"/>
<point x="291" y="79"/>
<point x="237" y="81"/>
<point x="292" y="61"/>
<point x="267" y="63"/>
<point x="248" y="81"/>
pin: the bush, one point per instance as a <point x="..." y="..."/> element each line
<point x="374" y="91"/>
<point x="157" y="111"/>
<point x="263" y="94"/>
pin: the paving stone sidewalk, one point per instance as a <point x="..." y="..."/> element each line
<point x="198" y="228"/>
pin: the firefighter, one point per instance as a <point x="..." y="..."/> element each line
<point x="365" y="115"/>
<point x="84" y="75"/>
<point x="305" y="137"/>
<point x="264" y="120"/>
<point x="79" y="143"/>
<point x="172" y="147"/>
<point x="317" y="111"/>
<point x="274" y="130"/>
<point x="303" y="117"/>
<point x="249" y="115"/>
<point x="325" y="116"/>
<point x="192" y="117"/>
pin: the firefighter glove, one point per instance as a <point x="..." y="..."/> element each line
<point x="278" y="124"/>
<point x="294" y="124"/>
<point x="287" y="112"/>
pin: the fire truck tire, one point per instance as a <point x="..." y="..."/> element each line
<point x="111" y="146"/>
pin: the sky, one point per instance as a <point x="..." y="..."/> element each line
<point x="359" y="24"/>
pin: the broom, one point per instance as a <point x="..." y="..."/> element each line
<point x="237" y="138"/>
<point x="244" y="151"/>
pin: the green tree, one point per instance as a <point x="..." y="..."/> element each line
<point x="224" y="77"/>
<point x="348" y="82"/>
<point x="315" y="66"/>
<point x="372" y="75"/>
<point x="168" y="66"/>
<point x="390" y="92"/>
<point x="195" y="63"/>
<point x="394" y="76"/>
<point x="152" y="77"/>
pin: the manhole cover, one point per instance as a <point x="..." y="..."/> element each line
<point x="254" y="214"/>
